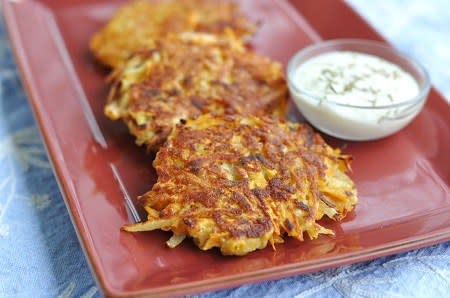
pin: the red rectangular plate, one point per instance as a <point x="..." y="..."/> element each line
<point x="403" y="180"/>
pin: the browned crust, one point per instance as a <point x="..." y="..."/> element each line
<point x="136" y="25"/>
<point x="187" y="75"/>
<point x="230" y="181"/>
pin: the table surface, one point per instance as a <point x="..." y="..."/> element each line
<point x="39" y="252"/>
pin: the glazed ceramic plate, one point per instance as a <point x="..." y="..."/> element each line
<point x="403" y="180"/>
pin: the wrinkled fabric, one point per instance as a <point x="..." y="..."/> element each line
<point x="40" y="255"/>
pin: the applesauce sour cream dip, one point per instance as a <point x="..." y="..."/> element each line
<point x="341" y="79"/>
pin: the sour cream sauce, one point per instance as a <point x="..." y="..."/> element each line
<point x="356" y="79"/>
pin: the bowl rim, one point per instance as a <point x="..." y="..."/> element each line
<point x="421" y="95"/>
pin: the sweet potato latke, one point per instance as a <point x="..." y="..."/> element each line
<point x="189" y="74"/>
<point x="237" y="183"/>
<point x="136" y="26"/>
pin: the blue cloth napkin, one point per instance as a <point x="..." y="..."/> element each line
<point x="39" y="252"/>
